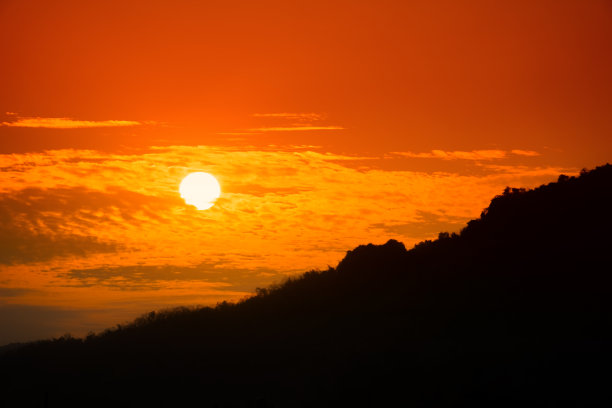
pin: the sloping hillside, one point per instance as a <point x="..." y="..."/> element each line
<point x="515" y="309"/>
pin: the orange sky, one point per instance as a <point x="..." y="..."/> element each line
<point x="328" y="125"/>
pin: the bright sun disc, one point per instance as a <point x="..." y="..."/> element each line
<point x="200" y="190"/>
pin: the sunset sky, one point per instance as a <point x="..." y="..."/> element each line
<point x="329" y="124"/>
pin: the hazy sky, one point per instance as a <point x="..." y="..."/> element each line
<point x="328" y="124"/>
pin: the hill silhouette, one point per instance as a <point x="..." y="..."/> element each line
<point x="515" y="309"/>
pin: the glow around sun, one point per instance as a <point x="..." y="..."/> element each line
<point x="200" y="190"/>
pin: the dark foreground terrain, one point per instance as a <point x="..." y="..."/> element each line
<point x="515" y="310"/>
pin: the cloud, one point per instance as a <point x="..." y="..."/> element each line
<point x="136" y="277"/>
<point x="39" y="224"/>
<point x="528" y="153"/>
<point x="426" y="225"/>
<point x="266" y="193"/>
<point x="12" y="292"/>
<point x="454" y="155"/>
<point x="238" y="134"/>
<point x="292" y="116"/>
<point x="475" y="155"/>
<point x="109" y="231"/>
<point x="67" y="123"/>
<point x="19" y="247"/>
<point x="290" y="122"/>
<point x="295" y="128"/>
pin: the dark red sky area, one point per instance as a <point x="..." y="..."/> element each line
<point x="397" y="75"/>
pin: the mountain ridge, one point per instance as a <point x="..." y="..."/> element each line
<point x="481" y="316"/>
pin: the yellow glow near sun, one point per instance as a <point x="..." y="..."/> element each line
<point x="200" y="190"/>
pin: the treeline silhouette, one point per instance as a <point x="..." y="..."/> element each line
<point x="514" y="310"/>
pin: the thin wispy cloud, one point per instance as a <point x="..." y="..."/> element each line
<point x="299" y="122"/>
<point x="237" y="133"/>
<point x="67" y="123"/>
<point x="475" y="155"/>
<point x="293" y="116"/>
<point x="295" y="128"/>
<point x="528" y="153"/>
<point x="285" y="122"/>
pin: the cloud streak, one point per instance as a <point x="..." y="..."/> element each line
<point x="292" y="116"/>
<point x="136" y="277"/>
<point x="475" y="155"/>
<point x="528" y="153"/>
<point x="67" y="123"/>
<point x="295" y="128"/>
<point x="37" y="224"/>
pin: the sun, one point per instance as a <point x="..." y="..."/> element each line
<point x="200" y="190"/>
